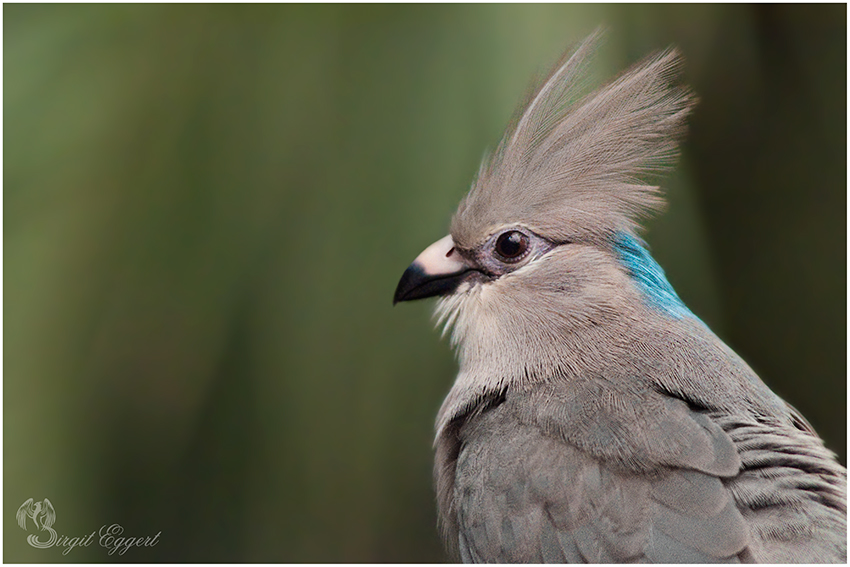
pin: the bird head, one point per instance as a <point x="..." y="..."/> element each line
<point x="543" y="269"/>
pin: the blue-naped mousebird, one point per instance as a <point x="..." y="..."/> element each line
<point x="594" y="418"/>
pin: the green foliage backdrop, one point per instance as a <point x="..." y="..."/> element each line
<point x="207" y="208"/>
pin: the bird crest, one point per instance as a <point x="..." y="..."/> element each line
<point x="573" y="165"/>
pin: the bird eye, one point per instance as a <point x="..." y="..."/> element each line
<point x="512" y="246"/>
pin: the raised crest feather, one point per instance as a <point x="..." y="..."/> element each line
<point x="573" y="166"/>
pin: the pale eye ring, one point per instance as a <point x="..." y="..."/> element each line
<point x="511" y="246"/>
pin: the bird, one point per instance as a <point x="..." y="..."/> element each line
<point x="36" y="511"/>
<point x="594" y="417"/>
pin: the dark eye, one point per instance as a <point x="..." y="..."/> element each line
<point x="512" y="245"/>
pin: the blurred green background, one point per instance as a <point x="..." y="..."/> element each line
<point x="207" y="209"/>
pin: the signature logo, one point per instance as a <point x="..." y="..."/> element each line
<point x="40" y="513"/>
<point x="43" y="516"/>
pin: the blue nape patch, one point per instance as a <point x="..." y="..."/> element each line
<point x="649" y="276"/>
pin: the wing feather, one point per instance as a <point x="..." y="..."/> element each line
<point x="25" y="510"/>
<point x="523" y="496"/>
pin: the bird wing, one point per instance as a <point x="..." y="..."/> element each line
<point x="24" y="511"/>
<point x="48" y="514"/>
<point x="523" y="494"/>
<point x="791" y="490"/>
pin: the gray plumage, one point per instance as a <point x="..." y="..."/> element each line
<point x="594" y="417"/>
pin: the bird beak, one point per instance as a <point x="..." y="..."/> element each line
<point x="437" y="271"/>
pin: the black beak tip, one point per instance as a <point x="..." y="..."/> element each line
<point x="412" y="278"/>
<point x="416" y="284"/>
